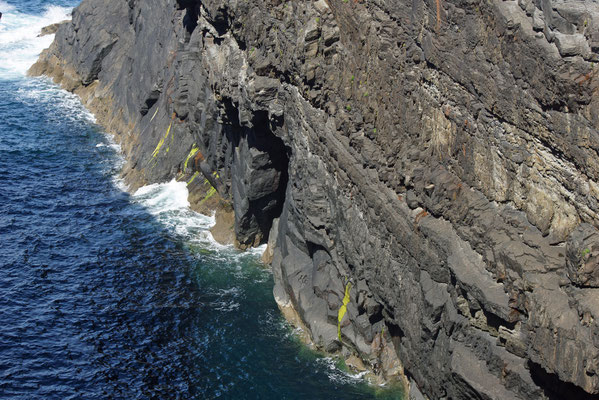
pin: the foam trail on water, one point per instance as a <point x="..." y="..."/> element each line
<point x="162" y="197"/>
<point x="168" y="203"/>
<point x="5" y="7"/>
<point x="19" y="42"/>
<point x="257" y="251"/>
<point x="66" y="104"/>
<point x="337" y="375"/>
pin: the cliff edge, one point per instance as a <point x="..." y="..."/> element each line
<point x="425" y="172"/>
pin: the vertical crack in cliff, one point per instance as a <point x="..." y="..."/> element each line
<point x="190" y="21"/>
<point x="259" y="175"/>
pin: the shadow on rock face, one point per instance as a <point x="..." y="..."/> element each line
<point x="556" y="389"/>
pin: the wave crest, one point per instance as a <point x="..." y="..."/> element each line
<point x="20" y="44"/>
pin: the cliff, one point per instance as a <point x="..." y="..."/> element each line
<point x="425" y="172"/>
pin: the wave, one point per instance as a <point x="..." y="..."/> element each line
<point x="67" y="105"/>
<point x="5" y="7"/>
<point x="336" y="374"/>
<point x="114" y="146"/>
<point x="19" y="42"/>
<point x="169" y="205"/>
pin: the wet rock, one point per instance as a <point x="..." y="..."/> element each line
<point x="223" y="230"/>
<point x="355" y="363"/>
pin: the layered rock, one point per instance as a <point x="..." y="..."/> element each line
<point x="425" y="172"/>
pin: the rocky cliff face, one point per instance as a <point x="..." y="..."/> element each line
<point x="425" y="172"/>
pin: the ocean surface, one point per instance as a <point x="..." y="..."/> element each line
<point x="107" y="295"/>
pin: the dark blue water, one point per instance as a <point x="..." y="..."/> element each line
<point x="104" y="295"/>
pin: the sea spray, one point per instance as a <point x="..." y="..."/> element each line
<point x="20" y="43"/>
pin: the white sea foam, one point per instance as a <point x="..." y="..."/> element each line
<point x="5" y="7"/>
<point x="19" y="42"/>
<point x="68" y="105"/>
<point x="120" y="184"/>
<point x="234" y="292"/>
<point x="337" y="375"/>
<point x="169" y="205"/>
<point x="257" y="251"/>
<point x="114" y="146"/>
<point x="163" y="197"/>
<point x="225" y="306"/>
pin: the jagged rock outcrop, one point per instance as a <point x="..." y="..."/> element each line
<point x="426" y="171"/>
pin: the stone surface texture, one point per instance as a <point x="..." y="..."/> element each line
<point x="433" y="162"/>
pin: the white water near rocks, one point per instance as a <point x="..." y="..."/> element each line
<point x="20" y="43"/>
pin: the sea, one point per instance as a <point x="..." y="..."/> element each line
<point x="110" y="295"/>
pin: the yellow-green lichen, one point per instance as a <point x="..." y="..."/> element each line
<point x="153" y="116"/>
<point x="193" y="178"/>
<point x="211" y="192"/>
<point x="192" y="153"/>
<point x="343" y="309"/>
<point x="159" y="145"/>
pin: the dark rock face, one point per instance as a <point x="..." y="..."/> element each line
<point x="427" y="171"/>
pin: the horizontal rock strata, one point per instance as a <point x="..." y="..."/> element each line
<point x="425" y="172"/>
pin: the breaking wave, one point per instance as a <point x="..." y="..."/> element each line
<point x="20" y="43"/>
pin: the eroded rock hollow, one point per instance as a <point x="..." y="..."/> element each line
<point x="425" y="172"/>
